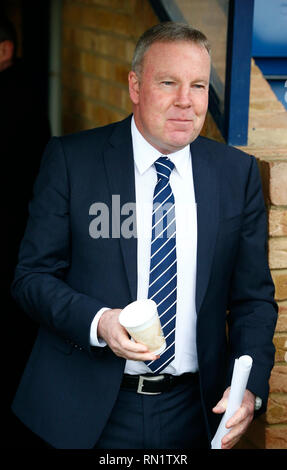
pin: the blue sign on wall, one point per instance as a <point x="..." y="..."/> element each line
<point x="269" y="43"/>
<point x="270" y="28"/>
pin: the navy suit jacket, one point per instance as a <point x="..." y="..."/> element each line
<point x="64" y="276"/>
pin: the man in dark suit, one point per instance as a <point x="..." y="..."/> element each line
<point x="87" y="384"/>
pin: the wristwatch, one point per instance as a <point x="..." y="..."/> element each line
<point x="258" y="403"/>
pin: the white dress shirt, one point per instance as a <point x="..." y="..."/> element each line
<point x="181" y="181"/>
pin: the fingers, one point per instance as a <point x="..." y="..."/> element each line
<point x="118" y="339"/>
<point x="221" y="406"/>
<point x="230" y="439"/>
<point x="238" y="425"/>
<point x="127" y="350"/>
<point x="239" y="422"/>
<point x="242" y="414"/>
<point x="124" y="347"/>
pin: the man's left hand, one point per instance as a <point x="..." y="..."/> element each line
<point x="239" y="422"/>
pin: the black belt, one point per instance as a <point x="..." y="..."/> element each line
<point x="154" y="385"/>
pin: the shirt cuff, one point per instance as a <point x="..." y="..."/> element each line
<point x="94" y="340"/>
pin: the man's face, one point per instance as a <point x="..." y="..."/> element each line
<point x="170" y="98"/>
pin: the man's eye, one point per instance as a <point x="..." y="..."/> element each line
<point x="167" y="82"/>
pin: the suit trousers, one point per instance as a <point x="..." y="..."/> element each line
<point x="171" y="420"/>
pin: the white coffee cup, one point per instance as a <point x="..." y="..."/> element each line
<point x="141" y="320"/>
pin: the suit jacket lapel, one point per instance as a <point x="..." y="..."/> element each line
<point x="206" y="196"/>
<point x="119" y="164"/>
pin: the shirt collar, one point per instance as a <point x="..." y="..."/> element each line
<point x="145" y="154"/>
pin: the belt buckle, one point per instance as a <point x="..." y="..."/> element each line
<point x="158" y="378"/>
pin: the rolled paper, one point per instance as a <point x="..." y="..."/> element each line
<point x="240" y="375"/>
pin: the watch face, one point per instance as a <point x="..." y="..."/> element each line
<point x="258" y="403"/>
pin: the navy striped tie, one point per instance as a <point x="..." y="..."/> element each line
<point x="163" y="270"/>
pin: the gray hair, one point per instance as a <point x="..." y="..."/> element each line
<point x="166" y="32"/>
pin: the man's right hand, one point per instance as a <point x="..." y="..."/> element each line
<point x="117" y="338"/>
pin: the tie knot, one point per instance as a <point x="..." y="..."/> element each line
<point x="164" y="167"/>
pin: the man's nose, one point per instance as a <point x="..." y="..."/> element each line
<point x="183" y="97"/>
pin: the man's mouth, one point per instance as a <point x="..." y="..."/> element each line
<point x="180" y="120"/>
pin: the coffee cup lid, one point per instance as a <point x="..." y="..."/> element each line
<point x="137" y="313"/>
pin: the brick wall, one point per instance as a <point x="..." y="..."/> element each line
<point x="98" y="40"/>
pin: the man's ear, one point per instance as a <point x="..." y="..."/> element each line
<point x="6" y="50"/>
<point x="134" y="87"/>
